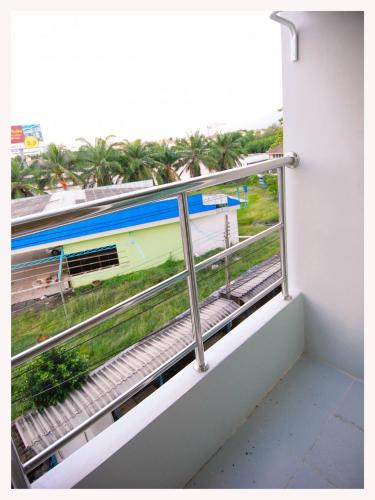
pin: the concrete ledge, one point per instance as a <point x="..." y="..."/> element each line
<point x="164" y="441"/>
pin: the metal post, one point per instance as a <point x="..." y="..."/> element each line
<point x="19" y="478"/>
<point x="226" y="258"/>
<point x="59" y="275"/>
<point x="63" y="302"/>
<point x="187" y="245"/>
<point x="283" y="255"/>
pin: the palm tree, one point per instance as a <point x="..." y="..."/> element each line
<point x="55" y="167"/>
<point x="167" y="157"/>
<point x="22" y="180"/>
<point x="98" y="161"/>
<point x="194" y="152"/>
<point x="139" y="161"/>
<point x="227" y="150"/>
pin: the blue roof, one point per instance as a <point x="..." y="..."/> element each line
<point x="141" y="214"/>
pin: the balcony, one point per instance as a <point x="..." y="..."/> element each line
<point x="277" y="400"/>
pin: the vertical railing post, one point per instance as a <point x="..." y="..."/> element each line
<point x="19" y="478"/>
<point x="283" y="254"/>
<point x="187" y="245"/>
<point x="226" y="259"/>
<point x="59" y="276"/>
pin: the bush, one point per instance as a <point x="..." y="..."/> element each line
<point x="53" y="375"/>
<point x="278" y="138"/>
<point x="271" y="181"/>
<point x="253" y="180"/>
<point x="260" y="145"/>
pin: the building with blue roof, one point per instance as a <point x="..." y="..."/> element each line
<point x="128" y="240"/>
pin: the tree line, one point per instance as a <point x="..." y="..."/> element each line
<point x="105" y="161"/>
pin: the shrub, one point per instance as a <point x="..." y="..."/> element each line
<point x="53" y="375"/>
<point x="253" y="180"/>
<point x="278" y="138"/>
<point x="271" y="181"/>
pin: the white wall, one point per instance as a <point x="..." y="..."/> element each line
<point x="323" y="123"/>
<point x="213" y="225"/>
<point x="72" y="446"/>
<point x="85" y="436"/>
<point x="163" y="442"/>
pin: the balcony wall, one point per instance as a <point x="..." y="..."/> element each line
<point x="164" y="441"/>
<point x="323" y="123"/>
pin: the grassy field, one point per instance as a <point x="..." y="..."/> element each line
<point x="124" y="330"/>
<point x="262" y="207"/>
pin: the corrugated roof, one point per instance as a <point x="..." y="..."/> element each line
<point x="36" y="204"/>
<point x="30" y="205"/>
<point x="255" y="280"/>
<point x="98" y="193"/>
<point x="38" y="429"/>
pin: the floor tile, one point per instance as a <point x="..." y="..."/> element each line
<point x="338" y="454"/>
<point x="305" y="477"/>
<point x="351" y="408"/>
<point x="268" y="450"/>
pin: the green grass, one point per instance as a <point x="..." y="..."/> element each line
<point x="263" y="206"/>
<point x="124" y="330"/>
<point x="27" y="326"/>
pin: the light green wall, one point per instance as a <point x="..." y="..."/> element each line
<point x="137" y="250"/>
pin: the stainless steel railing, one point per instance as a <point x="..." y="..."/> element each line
<point x="37" y="222"/>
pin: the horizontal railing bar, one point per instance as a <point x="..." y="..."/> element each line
<point x="233" y="315"/>
<point x="245" y="236"/>
<point x="121" y="307"/>
<point x="238" y="246"/>
<point x="29" y="224"/>
<point x="43" y="455"/>
<point x="47" y="452"/>
<point x="73" y="331"/>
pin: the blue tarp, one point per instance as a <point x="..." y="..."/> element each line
<point x="142" y="214"/>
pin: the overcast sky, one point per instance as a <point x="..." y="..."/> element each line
<point x="148" y="75"/>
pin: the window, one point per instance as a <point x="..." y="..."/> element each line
<point x="92" y="260"/>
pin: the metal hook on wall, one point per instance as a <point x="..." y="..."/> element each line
<point x="293" y="33"/>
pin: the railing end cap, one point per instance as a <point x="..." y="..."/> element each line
<point x="296" y="160"/>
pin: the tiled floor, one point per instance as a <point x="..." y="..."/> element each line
<point x="306" y="433"/>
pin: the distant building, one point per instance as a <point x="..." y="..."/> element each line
<point x="117" y="243"/>
<point x="276" y="152"/>
<point x="254" y="158"/>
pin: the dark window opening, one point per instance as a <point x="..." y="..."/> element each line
<point x="96" y="259"/>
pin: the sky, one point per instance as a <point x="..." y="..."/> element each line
<point x="147" y="75"/>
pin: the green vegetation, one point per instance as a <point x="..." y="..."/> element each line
<point x="63" y="370"/>
<point x="227" y="150"/>
<point x="138" y="162"/>
<point x="105" y="162"/>
<point x="262" y="209"/>
<point x="194" y="152"/>
<point x="22" y="183"/>
<point x="278" y="138"/>
<point x="55" y="168"/>
<point x="97" y="161"/>
<point x="29" y="325"/>
<point x="262" y="203"/>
